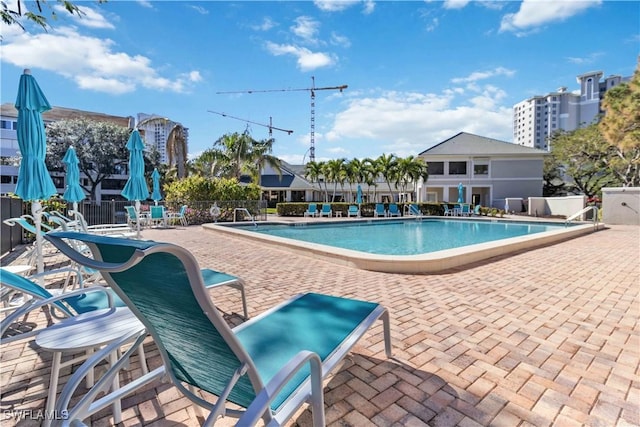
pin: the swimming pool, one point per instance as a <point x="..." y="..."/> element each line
<point x="407" y="245"/>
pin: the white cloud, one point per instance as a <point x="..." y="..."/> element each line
<point x="334" y="5"/>
<point x="306" y="28"/>
<point x="589" y="59"/>
<point x="407" y="123"/>
<point x="94" y="64"/>
<point x="483" y="75"/>
<point x="266" y="24"/>
<point x="201" y="10"/>
<point x="455" y="4"/>
<point x="89" y="17"/>
<point x="339" y="40"/>
<point x="145" y="3"/>
<point x="306" y="59"/>
<point x="536" y="13"/>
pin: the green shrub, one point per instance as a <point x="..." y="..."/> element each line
<point x="196" y="188"/>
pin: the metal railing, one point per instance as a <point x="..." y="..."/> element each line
<point x="581" y="213"/>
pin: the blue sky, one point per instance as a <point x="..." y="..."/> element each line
<point x="417" y="72"/>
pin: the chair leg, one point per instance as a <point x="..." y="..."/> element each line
<point x="53" y="387"/>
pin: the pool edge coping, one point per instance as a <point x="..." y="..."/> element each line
<point x="434" y="262"/>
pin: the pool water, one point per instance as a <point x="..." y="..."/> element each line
<point x="410" y="237"/>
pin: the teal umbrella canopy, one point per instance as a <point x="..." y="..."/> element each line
<point x="34" y="181"/>
<point x="73" y="192"/>
<point x="359" y="195"/>
<point x="136" y="187"/>
<point x="460" y="193"/>
<point x="156" y="195"/>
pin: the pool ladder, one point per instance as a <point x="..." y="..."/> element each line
<point x="247" y="214"/>
<point x="581" y="212"/>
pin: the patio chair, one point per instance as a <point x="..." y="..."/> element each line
<point x="326" y="210"/>
<point x="119" y="230"/>
<point x="414" y="210"/>
<point x="269" y="366"/>
<point x="476" y="210"/>
<point x="447" y="211"/>
<point x="465" y="209"/>
<point x="158" y="216"/>
<point x="379" y="211"/>
<point x="393" y="210"/>
<point x="353" y="211"/>
<point x="95" y="317"/>
<point x="133" y="217"/>
<point x="180" y="216"/>
<point x="312" y="210"/>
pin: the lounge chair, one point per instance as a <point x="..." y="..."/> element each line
<point x="312" y="210"/>
<point x="158" y="216"/>
<point x="476" y="210"/>
<point x="120" y="230"/>
<point x="133" y="217"/>
<point x="379" y="211"/>
<point x="326" y="210"/>
<point x="180" y="216"/>
<point x="393" y="210"/>
<point x="96" y="317"/>
<point x="414" y="210"/>
<point x="353" y="211"/>
<point x="268" y="366"/>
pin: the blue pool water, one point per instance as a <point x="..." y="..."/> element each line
<point x="409" y="237"/>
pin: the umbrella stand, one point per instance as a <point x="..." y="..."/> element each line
<point x="138" y="219"/>
<point x="36" y="210"/>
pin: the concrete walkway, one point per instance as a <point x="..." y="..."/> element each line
<point x="546" y="337"/>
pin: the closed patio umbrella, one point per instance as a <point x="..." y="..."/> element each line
<point x="359" y="195"/>
<point x="136" y="187"/>
<point x="73" y="193"/>
<point x="156" y="195"/>
<point x="460" y="193"/>
<point x="34" y="182"/>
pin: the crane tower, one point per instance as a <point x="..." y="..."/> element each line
<point x="270" y="125"/>
<point x="312" y="90"/>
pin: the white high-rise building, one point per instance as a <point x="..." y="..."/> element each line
<point x="537" y="118"/>
<point x="155" y="132"/>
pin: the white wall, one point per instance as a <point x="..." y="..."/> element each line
<point x="621" y="205"/>
<point x="565" y="206"/>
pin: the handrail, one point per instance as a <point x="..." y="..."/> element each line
<point x="582" y="212"/>
<point x="246" y="211"/>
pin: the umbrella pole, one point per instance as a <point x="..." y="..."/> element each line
<point x="138" y="219"/>
<point x="36" y="210"/>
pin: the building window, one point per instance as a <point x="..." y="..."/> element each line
<point x="58" y="181"/>
<point x="457" y="168"/>
<point x="481" y="169"/>
<point x="8" y="124"/>
<point x="435" y="168"/>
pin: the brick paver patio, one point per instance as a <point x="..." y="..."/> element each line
<point x="545" y="337"/>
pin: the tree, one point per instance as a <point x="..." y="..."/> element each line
<point x="620" y="127"/>
<point x="583" y="156"/>
<point x="100" y="146"/>
<point x="387" y="165"/>
<point x="410" y="170"/>
<point x="14" y="16"/>
<point x="552" y="183"/>
<point x="313" y="172"/>
<point x="177" y="150"/>
<point x="336" y="173"/>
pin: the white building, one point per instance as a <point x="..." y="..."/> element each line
<point x="155" y="130"/>
<point x="537" y="118"/>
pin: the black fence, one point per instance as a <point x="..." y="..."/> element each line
<point x="114" y="212"/>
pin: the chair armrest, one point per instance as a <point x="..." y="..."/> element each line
<point x="260" y="404"/>
<point x="34" y="304"/>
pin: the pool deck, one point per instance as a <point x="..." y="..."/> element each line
<point x="549" y="336"/>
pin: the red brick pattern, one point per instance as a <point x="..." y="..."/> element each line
<point x="546" y="337"/>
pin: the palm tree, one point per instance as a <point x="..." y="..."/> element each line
<point x="410" y="170"/>
<point x="388" y="164"/>
<point x="370" y="173"/>
<point x="211" y="163"/>
<point x="354" y="173"/>
<point x="261" y="154"/>
<point x="177" y="150"/>
<point x="336" y="174"/>
<point x="313" y="171"/>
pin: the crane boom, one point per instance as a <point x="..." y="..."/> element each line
<point x="312" y="90"/>
<point x="270" y="126"/>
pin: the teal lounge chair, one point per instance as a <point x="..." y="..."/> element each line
<point x="269" y="366"/>
<point x="312" y="210"/>
<point x="379" y="211"/>
<point x="476" y="210"/>
<point x="353" y="211"/>
<point x="326" y="210"/>
<point x="393" y="210"/>
<point x="415" y="210"/>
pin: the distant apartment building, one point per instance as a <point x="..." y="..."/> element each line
<point x="156" y="136"/>
<point x="537" y="118"/>
<point x="155" y="131"/>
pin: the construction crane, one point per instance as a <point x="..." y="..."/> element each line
<point x="312" y="90"/>
<point x="270" y="125"/>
